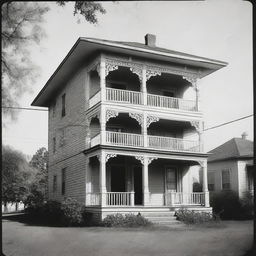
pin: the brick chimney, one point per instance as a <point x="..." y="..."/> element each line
<point x="150" y="40"/>
<point x="244" y="135"/>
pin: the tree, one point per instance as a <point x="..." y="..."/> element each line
<point x="22" y="28"/>
<point x="16" y="175"/>
<point x="87" y="9"/>
<point x="39" y="162"/>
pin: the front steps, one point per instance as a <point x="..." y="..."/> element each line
<point x="165" y="218"/>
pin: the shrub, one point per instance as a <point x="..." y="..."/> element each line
<point x="72" y="212"/>
<point x="247" y="206"/>
<point x="226" y="204"/>
<point x="68" y="213"/>
<point x="194" y="217"/>
<point x="128" y="220"/>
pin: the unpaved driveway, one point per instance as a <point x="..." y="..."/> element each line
<point x="235" y="238"/>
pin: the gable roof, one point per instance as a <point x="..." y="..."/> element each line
<point x="235" y="148"/>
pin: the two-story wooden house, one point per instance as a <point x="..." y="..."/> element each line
<point x="123" y="134"/>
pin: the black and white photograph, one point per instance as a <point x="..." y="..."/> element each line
<point x="127" y="128"/>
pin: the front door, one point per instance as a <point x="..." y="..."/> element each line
<point x="117" y="179"/>
<point x="137" y="174"/>
<point x="170" y="184"/>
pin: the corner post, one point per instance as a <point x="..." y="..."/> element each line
<point x="103" y="190"/>
<point x="145" y="181"/>
<point x="205" y="184"/>
<point x="144" y="85"/>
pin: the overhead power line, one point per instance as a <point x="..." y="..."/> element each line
<point x="227" y="123"/>
<point x="37" y="109"/>
<point x="24" y="108"/>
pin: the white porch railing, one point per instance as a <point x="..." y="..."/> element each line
<point x="180" y="198"/>
<point x="94" y="99"/>
<point x="134" y="97"/>
<point x="169" y="143"/>
<point x="170" y="102"/>
<point x="120" y="198"/>
<point x="124" y="139"/>
<point x="118" y="95"/>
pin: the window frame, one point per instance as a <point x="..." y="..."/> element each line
<point x="63" y="105"/>
<point x="222" y="187"/>
<point x="63" y="181"/>
<point x="54" y="145"/>
<point x="54" y="184"/>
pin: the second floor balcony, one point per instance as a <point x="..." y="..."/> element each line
<point x="150" y="142"/>
<point x="129" y="130"/>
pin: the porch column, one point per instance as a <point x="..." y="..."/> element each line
<point x="88" y="185"/>
<point x="144" y="85"/>
<point x="145" y="130"/>
<point x="103" y="124"/>
<point x="102" y="180"/>
<point x="145" y="181"/>
<point x="197" y="96"/>
<point x="205" y="184"/>
<point x="102" y="72"/>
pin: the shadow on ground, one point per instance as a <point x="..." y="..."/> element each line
<point x="28" y="220"/>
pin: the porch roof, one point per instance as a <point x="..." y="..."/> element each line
<point x="85" y="48"/>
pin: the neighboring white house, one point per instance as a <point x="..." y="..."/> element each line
<point x="124" y="136"/>
<point x="230" y="166"/>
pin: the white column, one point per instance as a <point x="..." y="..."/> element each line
<point x="103" y="124"/>
<point x="145" y="181"/>
<point x="205" y="184"/>
<point x="103" y="79"/>
<point x="102" y="180"/>
<point x="197" y="96"/>
<point x="88" y="185"/>
<point x="145" y="129"/>
<point x="144" y="85"/>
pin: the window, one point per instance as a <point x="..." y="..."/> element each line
<point x="225" y="175"/>
<point x="211" y="181"/>
<point x="54" y="187"/>
<point x="63" y="110"/>
<point x="53" y="108"/>
<point x="54" y="145"/>
<point x="63" y="179"/>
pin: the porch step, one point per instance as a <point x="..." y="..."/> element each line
<point x="165" y="218"/>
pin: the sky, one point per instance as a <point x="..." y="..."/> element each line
<point x="216" y="29"/>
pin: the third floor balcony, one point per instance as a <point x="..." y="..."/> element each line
<point x="124" y="83"/>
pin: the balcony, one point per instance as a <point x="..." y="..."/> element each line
<point x="136" y="98"/>
<point x="152" y="142"/>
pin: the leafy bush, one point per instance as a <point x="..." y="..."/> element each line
<point x="247" y="206"/>
<point x="227" y="205"/>
<point x="72" y="212"/>
<point x="194" y="217"/>
<point x="68" y="213"/>
<point x="128" y="220"/>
